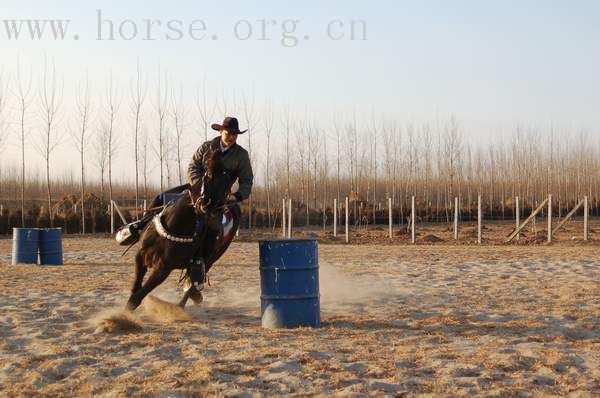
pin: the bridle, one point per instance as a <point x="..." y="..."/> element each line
<point x="199" y="208"/>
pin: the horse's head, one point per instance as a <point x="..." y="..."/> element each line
<point x="210" y="194"/>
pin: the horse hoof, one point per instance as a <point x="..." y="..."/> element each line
<point x="196" y="296"/>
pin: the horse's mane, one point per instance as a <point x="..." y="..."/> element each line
<point x="214" y="163"/>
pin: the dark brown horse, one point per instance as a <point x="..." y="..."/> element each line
<point x="171" y="239"/>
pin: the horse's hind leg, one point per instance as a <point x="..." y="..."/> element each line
<point x="140" y="271"/>
<point x="157" y="277"/>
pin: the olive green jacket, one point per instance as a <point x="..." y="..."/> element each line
<point x="235" y="160"/>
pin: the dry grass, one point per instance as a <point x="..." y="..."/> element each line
<point x="397" y="320"/>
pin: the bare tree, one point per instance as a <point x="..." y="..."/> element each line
<point x="145" y="169"/>
<point x="452" y="154"/>
<point x="396" y="142"/>
<point x="138" y="96"/>
<point x="268" y="123"/>
<point x="249" y="115"/>
<point x="50" y="102"/>
<point x="161" y="107"/>
<point x="112" y="105"/>
<point x="3" y="124"/>
<point x="387" y="158"/>
<point x="83" y="103"/>
<point x="324" y="179"/>
<point x="313" y="148"/>
<point x="3" y="103"/>
<point x="101" y="157"/>
<point x="373" y="146"/>
<point x="337" y="130"/>
<point x="287" y="126"/>
<point x="24" y="101"/>
<point x="204" y="110"/>
<point x="427" y="154"/>
<point x="222" y="106"/>
<point x="301" y="151"/>
<point x="178" y="112"/>
<point x="168" y="152"/>
<point x="351" y="156"/>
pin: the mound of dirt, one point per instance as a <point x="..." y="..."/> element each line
<point x="535" y="239"/>
<point x="164" y="311"/>
<point x="432" y="239"/>
<point x="121" y="322"/>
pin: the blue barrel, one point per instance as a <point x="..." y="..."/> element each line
<point x="289" y="283"/>
<point x="51" y="252"/>
<point x="25" y="246"/>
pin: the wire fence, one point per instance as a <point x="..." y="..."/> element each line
<point x="290" y="215"/>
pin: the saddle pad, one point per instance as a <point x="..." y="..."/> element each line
<point x="227" y="223"/>
<point x="229" y="230"/>
<point x="168" y="197"/>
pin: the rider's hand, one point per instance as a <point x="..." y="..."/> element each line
<point x="231" y="198"/>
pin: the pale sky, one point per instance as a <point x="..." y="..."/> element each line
<point x="491" y="64"/>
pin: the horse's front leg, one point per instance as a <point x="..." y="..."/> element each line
<point x="192" y="291"/>
<point x="184" y="299"/>
<point x="140" y="272"/>
<point x="157" y="277"/>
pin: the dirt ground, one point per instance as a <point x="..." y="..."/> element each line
<point x="401" y="320"/>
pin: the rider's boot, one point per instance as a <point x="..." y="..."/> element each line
<point x="130" y="233"/>
<point x="196" y="275"/>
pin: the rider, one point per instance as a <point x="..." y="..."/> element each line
<point x="236" y="162"/>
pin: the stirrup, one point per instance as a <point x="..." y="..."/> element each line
<point x="127" y="236"/>
<point x="130" y="233"/>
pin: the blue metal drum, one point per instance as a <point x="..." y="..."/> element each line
<point x="51" y="252"/>
<point x="289" y="283"/>
<point x="25" y="246"/>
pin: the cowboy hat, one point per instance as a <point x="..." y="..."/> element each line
<point x="230" y="124"/>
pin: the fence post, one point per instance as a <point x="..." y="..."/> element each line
<point x="412" y="219"/>
<point x="517" y="215"/>
<point x="112" y="217"/>
<point x="390" y="216"/>
<point x="347" y="231"/>
<point x="250" y="212"/>
<point x="456" y="218"/>
<point x="479" y="221"/>
<point x="585" y="218"/>
<point x="283" y="217"/>
<point x="334" y="217"/>
<point x="289" y="224"/>
<point x="549" y="218"/>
